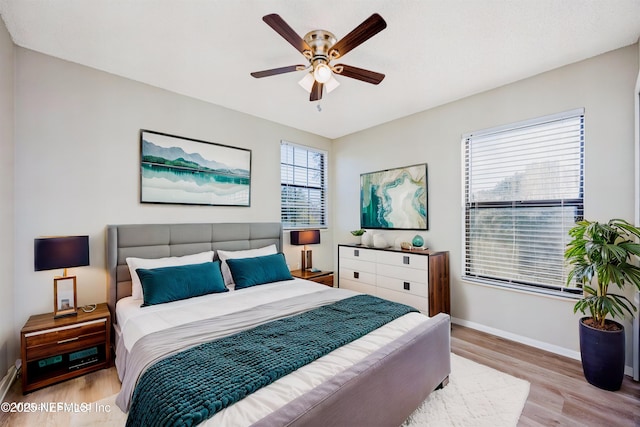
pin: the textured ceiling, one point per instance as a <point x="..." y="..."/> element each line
<point x="432" y="52"/>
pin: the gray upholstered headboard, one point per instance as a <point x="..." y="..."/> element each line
<point x="164" y="240"/>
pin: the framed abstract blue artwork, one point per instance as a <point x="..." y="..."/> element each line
<point x="394" y="199"/>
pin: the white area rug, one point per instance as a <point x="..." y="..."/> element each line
<point x="476" y="396"/>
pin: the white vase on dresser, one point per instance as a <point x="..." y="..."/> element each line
<point x="367" y="239"/>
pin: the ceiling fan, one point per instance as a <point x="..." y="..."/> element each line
<point x="320" y="47"/>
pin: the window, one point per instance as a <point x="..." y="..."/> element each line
<point x="303" y="186"/>
<point x="523" y="191"/>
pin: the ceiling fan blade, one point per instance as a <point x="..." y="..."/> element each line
<point x="277" y="23"/>
<point x="276" y="71"/>
<point x="363" y="32"/>
<point x="316" y="92"/>
<point x="359" y="74"/>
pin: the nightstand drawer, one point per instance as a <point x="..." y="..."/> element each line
<point x="59" y="340"/>
<point x="324" y="280"/>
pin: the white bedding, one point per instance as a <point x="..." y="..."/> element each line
<point x="135" y="322"/>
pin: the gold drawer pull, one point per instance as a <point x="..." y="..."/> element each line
<point x="69" y="340"/>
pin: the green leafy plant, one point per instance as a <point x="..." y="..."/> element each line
<point x="604" y="252"/>
<point x="358" y="232"/>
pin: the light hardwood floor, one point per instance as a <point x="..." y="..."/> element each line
<point x="559" y="394"/>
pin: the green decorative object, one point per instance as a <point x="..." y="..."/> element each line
<point x="417" y="241"/>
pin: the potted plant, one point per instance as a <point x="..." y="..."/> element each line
<point x="358" y="234"/>
<point x="602" y="255"/>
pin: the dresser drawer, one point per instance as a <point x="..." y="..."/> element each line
<point x="420" y="303"/>
<point x="403" y="286"/>
<point x="357" y="276"/>
<point x="357" y="253"/>
<point x="357" y="286"/>
<point x="358" y="265"/>
<point x="60" y="340"/>
<point x="410" y="274"/>
<point x="403" y="259"/>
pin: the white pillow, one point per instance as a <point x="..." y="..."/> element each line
<point x="248" y="253"/>
<point x="135" y="263"/>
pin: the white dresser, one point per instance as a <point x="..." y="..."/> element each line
<point x="416" y="278"/>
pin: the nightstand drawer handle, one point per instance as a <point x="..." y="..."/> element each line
<point x="356" y="275"/>
<point x="69" y="340"/>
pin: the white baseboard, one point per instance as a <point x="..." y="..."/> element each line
<point x="7" y="382"/>
<point x="572" y="354"/>
<point x="518" y="338"/>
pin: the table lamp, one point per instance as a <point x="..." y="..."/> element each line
<point x="305" y="237"/>
<point x="62" y="252"/>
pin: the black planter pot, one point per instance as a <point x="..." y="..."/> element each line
<point x="602" y="354"/>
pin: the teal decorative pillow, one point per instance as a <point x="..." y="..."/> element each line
<point x="166" y="284"/>
<point x="248" y="272"/>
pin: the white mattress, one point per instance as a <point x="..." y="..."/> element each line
<point x="134" y="322"/>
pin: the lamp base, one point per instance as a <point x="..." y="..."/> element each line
<point x="66" y="314"/>
<point x="306" y="260"/>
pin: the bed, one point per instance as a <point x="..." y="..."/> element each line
<point x="378" y="378"/>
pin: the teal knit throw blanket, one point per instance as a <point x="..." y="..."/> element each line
<point x="191" y="386"/>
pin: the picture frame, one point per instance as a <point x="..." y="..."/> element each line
<point x="395" y="199"/>
<point x="186" y="171"/>
<point x="64" y="296"/>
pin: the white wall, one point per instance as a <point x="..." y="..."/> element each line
<point x="8" y="340"/>
<point x="77" y="154"/>
<point x="76" y="143"/>
<point x="603" y="85"/>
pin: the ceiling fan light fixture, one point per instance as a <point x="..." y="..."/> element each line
<point x="322" y="73"/>
<point x="307" y="82"/>
<point x="320" y="47"/>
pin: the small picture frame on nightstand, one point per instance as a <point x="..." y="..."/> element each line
<point x="64" y="296"/>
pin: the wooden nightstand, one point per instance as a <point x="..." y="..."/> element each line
<point x="55" y="350"/>
<point x="324" y="277"/>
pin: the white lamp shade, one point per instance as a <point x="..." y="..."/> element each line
<point x="322" y="73"/>
<point x="307" y="82"/>
<point x="331" y="84"/>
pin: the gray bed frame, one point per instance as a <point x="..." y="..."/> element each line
<point x="382" y="390"/>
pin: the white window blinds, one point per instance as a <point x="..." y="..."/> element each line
<point x="523" y="191"/>
<point x="303" y="186"/>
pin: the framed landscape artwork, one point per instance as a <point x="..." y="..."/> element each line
<point x="394" y="198"/>
<point x="181" y="170"/>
